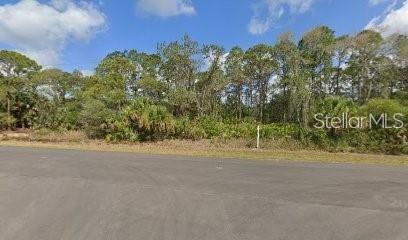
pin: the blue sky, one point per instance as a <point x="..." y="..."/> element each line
<point x="77" y="35"/>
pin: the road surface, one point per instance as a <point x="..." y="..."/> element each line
<point x="73" y="195"/>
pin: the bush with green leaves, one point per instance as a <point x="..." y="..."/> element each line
<point x="336" y="107"/>
<point x="389" y="107"/>
<point x="402" y="97"/>
<point x="188" y="129"/>
<point x="387" y="139"/>
<point x="211" y="126"/>
<point x="149" y="120"/>
<point x="119" y="130"/>
<point x="95" y="117"/>
<point x="67" y="116"/>
<point x="3" y="120"/>
<point x="62" y="117"/>
<point x="276" y="131"/>
<point x="244" y="130"/>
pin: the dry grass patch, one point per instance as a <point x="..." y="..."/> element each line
<point x="61" y="136"/>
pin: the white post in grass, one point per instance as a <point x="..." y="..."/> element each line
<point x="257" y="137"/>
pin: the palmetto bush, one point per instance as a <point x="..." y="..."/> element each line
<point x="336" y="107"/>
<point x="149" y="120"/>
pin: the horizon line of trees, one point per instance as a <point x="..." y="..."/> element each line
<point x="281" y="83"/>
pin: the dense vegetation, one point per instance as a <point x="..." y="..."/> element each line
<point x="192" y="92"/>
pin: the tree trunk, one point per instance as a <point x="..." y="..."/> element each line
<point x="337" y="90"/>
<point x="239" y="102"/>
<point x="8" y="114"/>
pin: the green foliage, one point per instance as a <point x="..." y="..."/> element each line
<point x="211" y="127"/>
<point x="152" y="87"/>
<point x="387" y="139"/>
<point x="336" y="106"/>
<point x="234" y="70"/>
<point x="65" y="117"/>
<point x="95" y="117"/>
<point x="3" y="120"/>
<point x="149" y="120"/>
<point x="119" y="130"/>
<point x="377" y="107"/>
<point x="182" y="101"/>
<point x="16" y="95"/>
<point x="391" y="112"/>
<point x="402" y="97"/>
<point x="187" y="129"/>
<point x="179" y="62"/>
<point x="276" y="131"/>
<point x="114" y="82"/>
<point x="16" y="64"/>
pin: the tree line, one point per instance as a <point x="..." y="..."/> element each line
<point x="137" y="95"/>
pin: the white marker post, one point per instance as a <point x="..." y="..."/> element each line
<point x="257" y="137"/>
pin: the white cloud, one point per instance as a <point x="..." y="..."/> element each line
<point x="268" y="12"/>
<point x="166" y="8"/>
<point x="393" y="21"/>
<point x="87" y="73"/>
<point x="377" y="2"/>
<point x="42" y="30"/>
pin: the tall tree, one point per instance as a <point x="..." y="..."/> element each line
<point x="234" y="67"/>
<point x="260" y="66"/>
<point x="150" y="83"/>
<point x="15" y="71"/>
<point x="117" y="79"/>
<point x="180" y="64"/>
<point x="292" y="89"/>
<point x="316" y="48"/>
<point x="56" y="97"/>
<point x="364" y="63"/>
<point x="212" y="82"/>
<point x="341" y="51"/>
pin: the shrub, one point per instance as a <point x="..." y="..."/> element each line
<point x="336" y="107"/>
<point x="187" y="129"/>
<point x="377" y="107"/>
<point x="402" y="97"/>
<point x="211" y="127"/>
<point x="149" y="120"/>
<point x="277" y="131"/>
<point x="388" y="140"/>
<point x="245" y="130"/>
<point x="95" y="117"/>
<point x="67" y="116"/>
<point x="3" y="120"/>
<point x="119" y="130"/>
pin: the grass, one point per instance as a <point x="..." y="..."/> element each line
<point x="209" y="149"/>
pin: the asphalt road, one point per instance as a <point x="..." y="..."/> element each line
<point x="73" y="195"/>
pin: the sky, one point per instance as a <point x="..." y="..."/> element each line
<point x="77" y="34"/>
